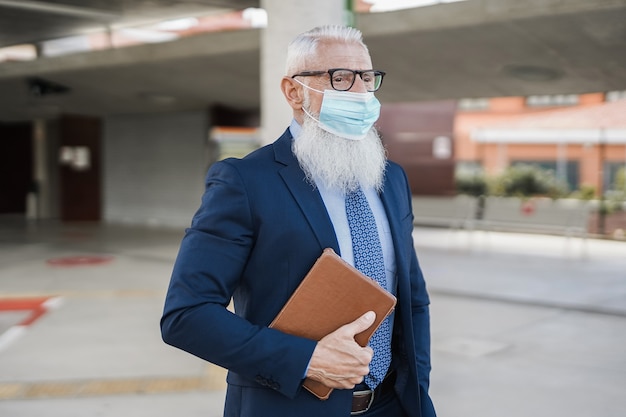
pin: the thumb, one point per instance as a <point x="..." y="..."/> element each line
<point x="362" y="323"/>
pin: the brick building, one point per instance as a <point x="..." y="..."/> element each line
<point x="581" y="137"/>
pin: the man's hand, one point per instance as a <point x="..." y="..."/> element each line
<point x="338" y="361"/>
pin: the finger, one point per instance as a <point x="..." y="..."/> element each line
<point x="361" y="324"/>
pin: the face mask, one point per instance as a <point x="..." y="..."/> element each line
<point x="345" y="114"/>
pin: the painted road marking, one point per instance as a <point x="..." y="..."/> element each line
<point x="36" y="307"/>
<point x="81" y="260"/>
<point x="213" y="380"/>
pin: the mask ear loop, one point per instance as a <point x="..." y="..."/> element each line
<point x="306" y="86"/>
<point x="309" y="114"/>
<point x="310" y="88"/>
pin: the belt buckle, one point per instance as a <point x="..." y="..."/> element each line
<point x="356" y="393"/>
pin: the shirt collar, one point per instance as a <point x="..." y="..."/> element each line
<point x="295" y="128"/>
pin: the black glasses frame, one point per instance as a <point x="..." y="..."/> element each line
<point x="331" y="71"/>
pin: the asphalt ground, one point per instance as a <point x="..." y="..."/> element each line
<point x="521" y="324"/>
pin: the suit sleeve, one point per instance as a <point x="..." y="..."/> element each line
<point x="207" y="271"/>
<point x="420" y="302"/>
<point x="421" y="333"/>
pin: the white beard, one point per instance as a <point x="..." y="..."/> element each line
<point x="339" y="163"/>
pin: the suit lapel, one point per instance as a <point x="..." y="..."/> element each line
<point x="390" y="198"/>
<point x="307" y="196"/>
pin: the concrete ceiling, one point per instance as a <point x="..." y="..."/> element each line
<point x="24" y="21"/>
<point x="476" y="48"/>
<point x="500" y="48"/>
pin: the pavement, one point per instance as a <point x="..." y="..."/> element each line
<point x="521" y="324"/>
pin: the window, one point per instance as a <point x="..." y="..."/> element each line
<point x="468" y="169"/>
<point x="615" y="95"/>
<point x="470" y="104"/>
<point x="611" y="172"/>
<point x="552" y="101"/>
<point x="568" y="172"/>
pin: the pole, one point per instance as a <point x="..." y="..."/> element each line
<point x="349" y="13"/>
<point x="602" y="208"/>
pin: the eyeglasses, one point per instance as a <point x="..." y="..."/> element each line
<point x="342" y="79"/>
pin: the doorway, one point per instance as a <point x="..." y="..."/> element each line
<point x="16" y="166"/>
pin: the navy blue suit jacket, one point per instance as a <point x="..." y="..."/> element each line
<point x="259" y="229"/>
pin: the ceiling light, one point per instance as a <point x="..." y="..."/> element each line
<point x="148" y="36"/>
<point x="178" y="24"/>
<point x="392" y="5"/>
<point x="257" y="17"/>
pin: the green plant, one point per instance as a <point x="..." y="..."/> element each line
<point x="617" y="195"/>
<point x="585" y="192"/>
<point x="474" y="185"/>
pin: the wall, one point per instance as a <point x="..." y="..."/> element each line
<point x="80" y="182"/>
<point x="409" y="131"/>
<point x="154" y="168"/>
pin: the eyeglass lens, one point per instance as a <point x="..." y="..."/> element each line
<point x="343" y="80"/>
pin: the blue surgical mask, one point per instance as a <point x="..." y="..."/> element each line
<point x="346" y="114"/>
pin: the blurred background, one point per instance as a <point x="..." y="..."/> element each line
<point x="509" y="117"/>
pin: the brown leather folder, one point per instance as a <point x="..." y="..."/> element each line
<point x="332" y="294"/>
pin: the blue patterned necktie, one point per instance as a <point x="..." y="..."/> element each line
<point x="368" y="258"/>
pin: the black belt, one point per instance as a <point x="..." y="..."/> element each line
<point x="362" y="399"/>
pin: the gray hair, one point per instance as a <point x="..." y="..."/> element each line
<point x="305" y="45"/>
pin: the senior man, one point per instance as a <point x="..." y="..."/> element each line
<point x="266" y="218"/>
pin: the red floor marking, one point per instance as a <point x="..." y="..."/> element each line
<point x="79" y="260"/>
<point x="36" y="306"/>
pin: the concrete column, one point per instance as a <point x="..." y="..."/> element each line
<point x="285" y="20"/>
<point x="39" y="201"/>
